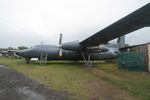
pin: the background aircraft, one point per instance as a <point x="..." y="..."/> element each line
<point x="95" y="47"/>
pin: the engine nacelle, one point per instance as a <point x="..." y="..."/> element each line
<point x="73" y="46"/>
<point x="103" y="48"/>
<point x="97" y="49"/>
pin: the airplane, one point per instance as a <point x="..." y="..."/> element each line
<point x="95" y="47"/>
<point x="8" y="52"/>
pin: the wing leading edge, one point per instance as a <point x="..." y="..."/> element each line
<point x="132" y="22"/>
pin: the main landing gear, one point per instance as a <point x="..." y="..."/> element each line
<point x="88" y="62"/>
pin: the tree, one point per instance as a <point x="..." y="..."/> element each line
<point x="10" y="48"/>
<point x="22" y="47"/>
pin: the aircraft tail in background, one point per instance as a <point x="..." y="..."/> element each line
<point x="121" y="41"/>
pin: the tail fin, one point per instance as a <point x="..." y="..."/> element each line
<point x="121" y="41"/>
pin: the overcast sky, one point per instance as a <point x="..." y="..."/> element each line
<point x="28" y="22"/>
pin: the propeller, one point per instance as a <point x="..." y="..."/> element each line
<point x="60" y="45"/>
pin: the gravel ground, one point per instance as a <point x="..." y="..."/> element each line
<point x="16" y="86"/>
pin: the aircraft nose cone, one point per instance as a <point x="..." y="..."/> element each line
<point x="20" y="53"/>
<point x="17" y="53"/>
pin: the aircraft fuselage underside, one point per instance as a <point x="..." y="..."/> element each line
<point x="53" y="54"/>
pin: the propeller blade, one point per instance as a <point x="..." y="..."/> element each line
<point x="60" y="45"/>
<point x="60" y="39"/>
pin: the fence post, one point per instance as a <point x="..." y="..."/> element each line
<point x="148" y="57"/>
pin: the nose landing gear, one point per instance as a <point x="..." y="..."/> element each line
<point x="27" y="60"/>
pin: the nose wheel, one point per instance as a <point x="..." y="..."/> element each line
<point x="27" y="60"/>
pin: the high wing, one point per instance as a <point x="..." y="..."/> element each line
<point x="132" y="22"/>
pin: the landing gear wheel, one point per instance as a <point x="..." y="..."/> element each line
<point x="88" y="64"/>
<point x="27" y="60"/>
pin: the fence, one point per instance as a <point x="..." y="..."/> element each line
<point x="132" y="61"/>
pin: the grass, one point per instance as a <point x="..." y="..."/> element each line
<point x="104" y="81"/>
<point x="135" y="83"/>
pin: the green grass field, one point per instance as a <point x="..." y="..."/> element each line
<point x="102" y="82"/>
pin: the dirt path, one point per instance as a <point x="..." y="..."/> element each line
<point x="16" y="86"/>
<point x="102" y="90"/>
